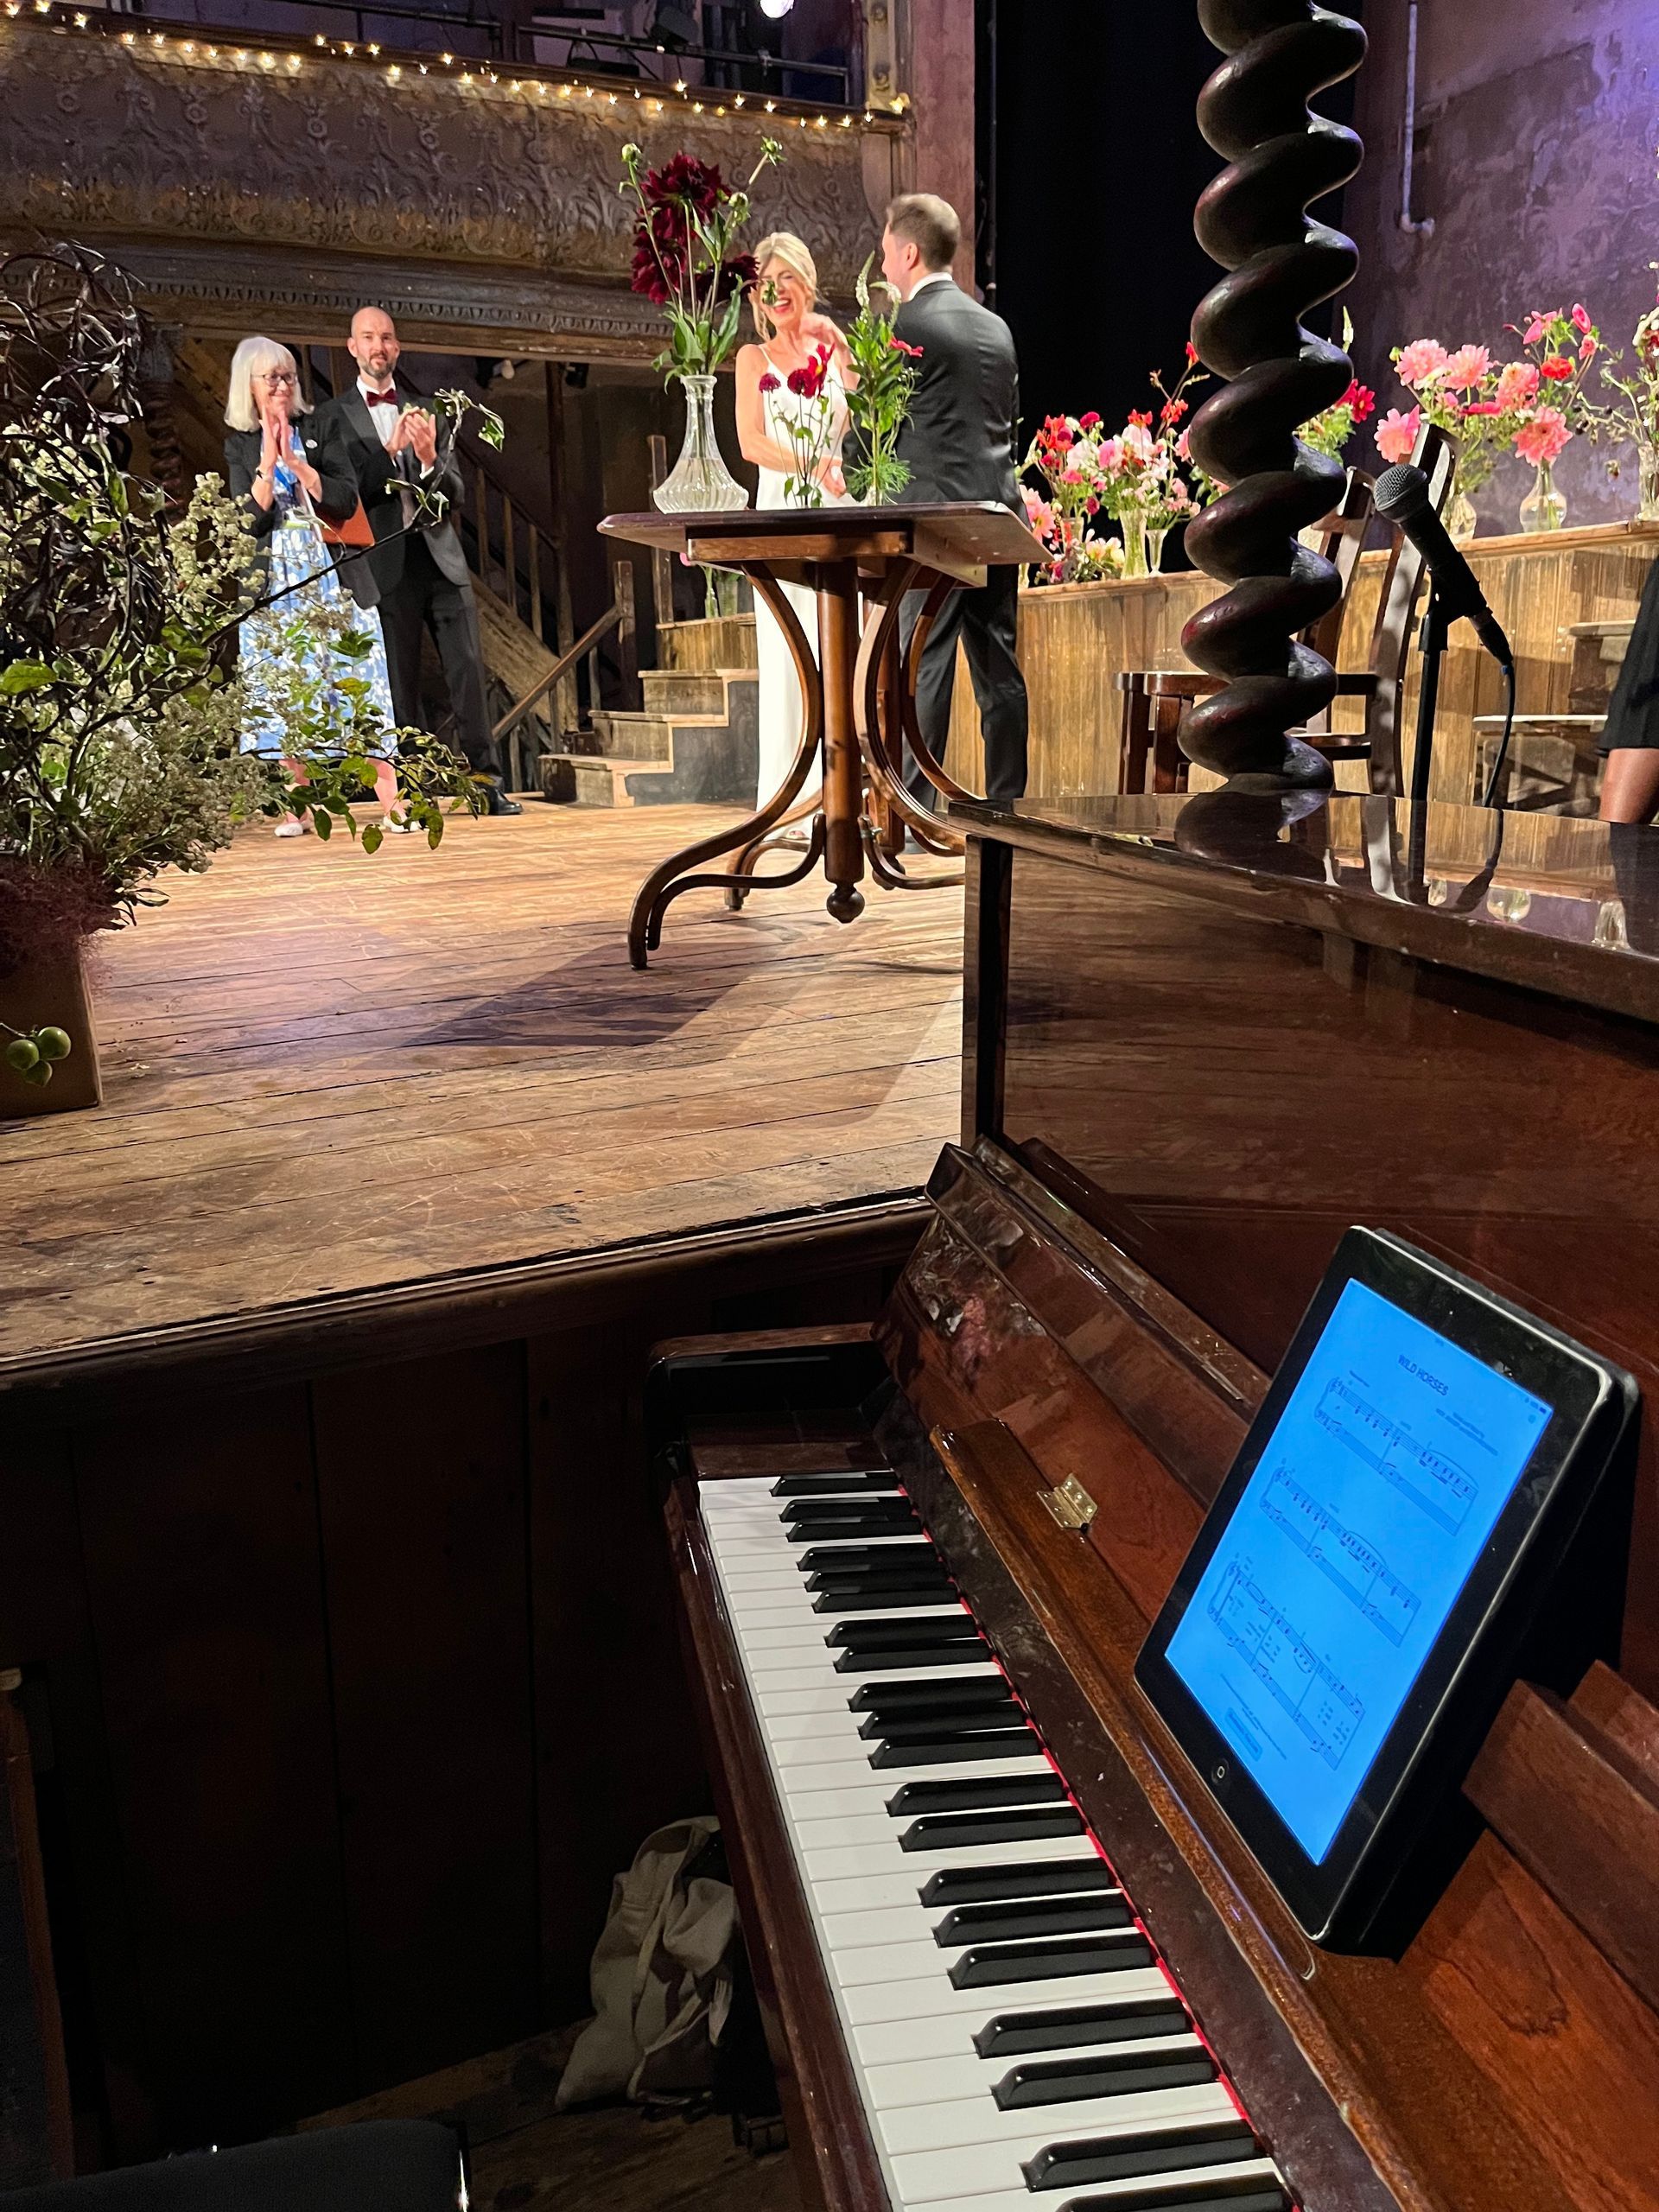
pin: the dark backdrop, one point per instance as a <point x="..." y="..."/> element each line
<point x="1098" y="163"/>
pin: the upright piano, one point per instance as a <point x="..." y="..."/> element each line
<point x="1011" y="1955"/>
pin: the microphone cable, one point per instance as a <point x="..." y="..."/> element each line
<point x="1494" y="780"/>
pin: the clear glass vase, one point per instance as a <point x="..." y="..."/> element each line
<point x="1134" y="545"/>
<point x="1461" y="520"/>
<point x="1156" y="540"/>
<point x="699" y="482"/>
<point x="1543" y="508"/>
<point x="1648" y="480"/>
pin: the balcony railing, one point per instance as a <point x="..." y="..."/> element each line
<point x="704" y="42"/>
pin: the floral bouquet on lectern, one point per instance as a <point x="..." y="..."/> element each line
<point x="684" y="262"/>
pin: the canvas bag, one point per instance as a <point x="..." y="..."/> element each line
<point x="661" y="1977"/>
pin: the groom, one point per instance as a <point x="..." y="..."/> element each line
<point x="416" y="572"/>
<point x="959" y="443"/>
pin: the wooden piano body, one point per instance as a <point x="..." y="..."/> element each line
<point x="1199" y="1045"/>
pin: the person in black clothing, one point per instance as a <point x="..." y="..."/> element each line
<point x="960" y="443"/>
<point x="416" y="572"/>
<point x="1630" y="743"/>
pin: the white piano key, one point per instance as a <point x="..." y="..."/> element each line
<point x="857" y="1790"/>
<point x="961" y="2122"/>
<point x="826" y="1691"/>
<point x="870" y="1892"/>
<point x="921" y="2081"/>
<point x="935" y="1999"/>
<point x="981" y="2180"/>
<point x="832" y="1864"/>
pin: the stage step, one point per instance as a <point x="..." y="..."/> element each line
<point x="668" y="755"/>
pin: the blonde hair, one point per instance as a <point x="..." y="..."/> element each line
<point x="785" y="246"/>
<point x="252" y="359"/>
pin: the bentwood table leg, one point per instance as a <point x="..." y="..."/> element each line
<point x="843" y="768"/>
<point x="666" y="882"/>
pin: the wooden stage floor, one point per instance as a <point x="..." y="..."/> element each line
<point x="328" y="1074"/>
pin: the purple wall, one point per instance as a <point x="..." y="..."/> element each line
<point x="1537" y="124"/>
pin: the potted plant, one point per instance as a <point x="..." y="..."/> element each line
<point x="686" y="228"/>
<point x="120" y="712"/>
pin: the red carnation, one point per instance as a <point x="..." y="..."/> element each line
<point x="1558" y="368"/>
<point x="1089" y="422"/>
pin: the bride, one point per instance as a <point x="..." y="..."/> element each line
<point x="784" y="303"/>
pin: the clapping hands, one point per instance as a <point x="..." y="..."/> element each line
<point x="415" y="432"/>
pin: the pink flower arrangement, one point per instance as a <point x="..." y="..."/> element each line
<point x="1487" y="406"/>
<point x="1543" y="438"/>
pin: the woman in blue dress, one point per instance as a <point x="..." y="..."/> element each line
<point x="292" y="481"/>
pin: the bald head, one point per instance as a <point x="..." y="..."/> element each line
<point x="373" y="343"/>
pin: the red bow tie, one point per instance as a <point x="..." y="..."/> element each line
<point x="381" y="398"/>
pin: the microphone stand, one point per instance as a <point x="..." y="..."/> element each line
<point x="1436" y="634"/>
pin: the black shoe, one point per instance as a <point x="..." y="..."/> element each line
<point x="495" y="797"/>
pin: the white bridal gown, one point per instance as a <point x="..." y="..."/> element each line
<point x="780" y="690"/>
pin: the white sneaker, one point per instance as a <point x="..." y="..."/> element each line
<point x="397" y="825"/>
<point x="293" y="828"/>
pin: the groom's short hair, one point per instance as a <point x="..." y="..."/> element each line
<point x="931" y="226"/>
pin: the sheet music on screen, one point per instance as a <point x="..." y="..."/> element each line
<point x="1385" y="1476"/>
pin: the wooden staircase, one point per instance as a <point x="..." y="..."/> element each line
<point x="696" y="742"/>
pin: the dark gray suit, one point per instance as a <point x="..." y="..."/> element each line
<point x="418" y="580"/>
<point x="959" y="443"/>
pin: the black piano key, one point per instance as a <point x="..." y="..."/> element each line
<point x="1044" y="1878"/>
<point x="976" y="1743"/>
<point x="1114" y="2074"/>
<point x="1143" y="2155"/>
<point x="1048" y="1962"/>
<point x="938" y="1628"/>
<point x="955" y="1831"/>
<point x="929" y="1697"/>
<point x="800" y="1511"/>
<point x="1075" y="2027"/>
<point x="1202" y="2193"/>
<point x="975" y="1796"/>
<point x="858" y="1558"/>
<point x="1004" y="1923"/>
<point x="926" y="1575"/>
<point x="939" y="1727"/>
<point x="919" y="1654"/>
<point x="887" y="1518"/>
<point x="878" y="1597"/>
<point x="868" y="1479"/>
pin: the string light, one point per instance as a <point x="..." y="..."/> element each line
<point x="61" y="16"/>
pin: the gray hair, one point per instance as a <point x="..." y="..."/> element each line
<point x="252" y="359"/>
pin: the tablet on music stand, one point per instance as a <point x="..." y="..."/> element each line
<point x="1351" y="1611"/>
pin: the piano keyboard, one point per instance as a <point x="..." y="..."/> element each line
<point x="1011" y="2028"/>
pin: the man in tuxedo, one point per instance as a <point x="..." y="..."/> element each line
<point x="959" y="443"/>
<point x="418" y="580"/>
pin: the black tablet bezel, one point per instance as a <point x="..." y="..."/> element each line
<point x="1592" y="1401"/>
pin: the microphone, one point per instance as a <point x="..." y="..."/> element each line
<point x="1402" y="496"/>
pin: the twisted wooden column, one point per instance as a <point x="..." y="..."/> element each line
<point x="1253" y="219"/>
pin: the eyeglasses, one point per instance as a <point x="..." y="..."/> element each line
<point x="277" y="375"/>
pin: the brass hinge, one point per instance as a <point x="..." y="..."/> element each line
<point x="1072" y="1505"/>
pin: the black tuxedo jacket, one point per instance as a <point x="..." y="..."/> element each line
<point x="965" y="418"/>
<point x="377" y="573"/>
<point x="322" y="451"/>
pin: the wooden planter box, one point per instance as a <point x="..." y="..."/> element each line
<point x="51" y="991"/>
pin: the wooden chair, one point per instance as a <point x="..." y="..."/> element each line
<point x="1154" y="700"/>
